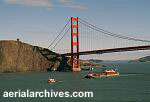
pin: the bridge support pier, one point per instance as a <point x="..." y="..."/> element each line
<point x="75" y="60"/>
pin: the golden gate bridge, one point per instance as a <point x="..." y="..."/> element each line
<point x="79" y="37"/>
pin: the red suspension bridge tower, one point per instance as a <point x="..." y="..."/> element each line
<point x="75" y="60"/>
<point x="115" y="42"/>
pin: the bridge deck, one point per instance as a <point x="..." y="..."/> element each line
<point x="101" y="51"/>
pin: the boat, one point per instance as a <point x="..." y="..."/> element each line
<point x="50" y="80"/>
<point x="105" y="73"/>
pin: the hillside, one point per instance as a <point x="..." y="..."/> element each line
<point x="145" y="59"/>
<point x="91" y="62"/>
<point x="95" y="60"/>
<point x="16" y="56"/>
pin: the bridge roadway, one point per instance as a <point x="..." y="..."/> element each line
<point x="102" y="51"/>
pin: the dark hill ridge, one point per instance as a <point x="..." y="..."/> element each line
<point x="16" y="56"/>
<point x="145" y="59"/>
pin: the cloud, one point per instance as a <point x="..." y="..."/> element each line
<point x="46" y="3"/>
<point x="71" y="4"/>
<point x="67" y="1"/>
<point x="33" y="3"/>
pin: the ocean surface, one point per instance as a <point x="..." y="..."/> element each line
<point x="133" y="84"/>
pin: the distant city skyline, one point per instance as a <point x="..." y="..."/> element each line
<point x="38" y="22"/>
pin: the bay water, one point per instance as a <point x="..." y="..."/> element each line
<point x="133" y="84"/>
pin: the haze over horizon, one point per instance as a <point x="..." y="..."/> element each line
<point x="38" y="22"/>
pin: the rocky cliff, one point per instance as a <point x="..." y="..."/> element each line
<point x="16" y="56"/>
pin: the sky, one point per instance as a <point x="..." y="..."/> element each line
<point x="38" y="22"/>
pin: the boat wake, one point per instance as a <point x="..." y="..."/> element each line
<point x="131" y="74"/>
<point x="127" y="74"/>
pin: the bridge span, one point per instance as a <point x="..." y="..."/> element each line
<point x="102" y="51"/>
<point x="79" y="37"/>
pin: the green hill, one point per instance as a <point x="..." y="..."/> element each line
<point x="145" y="59"/>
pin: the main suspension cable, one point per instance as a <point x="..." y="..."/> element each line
<point x="107" y="32"/>
<point x="61" y="38"/>
<point x="59" y="34"/>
